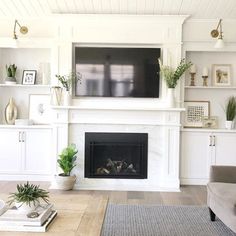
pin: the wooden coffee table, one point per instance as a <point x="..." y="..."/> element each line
<point x="78" y="215"/>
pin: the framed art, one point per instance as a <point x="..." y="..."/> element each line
<point x="29" y="77"/>
<point x="195" y="111"/>
<point x="221" y="75"/>
<point x="39" y="108"/>
<point x="210" y="122"/>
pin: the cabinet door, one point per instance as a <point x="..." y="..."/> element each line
<point x="225" y="149"/>
<point x="195" y="156"/>
<point x="37" y="151"/>
<point x="10" y="151"/>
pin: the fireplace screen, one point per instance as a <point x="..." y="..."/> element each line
<point x="116" y="155"/>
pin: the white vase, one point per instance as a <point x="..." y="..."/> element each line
<point x="228" y="124"/>
<point x="67" y="98"/>
<point x="56" y="95"/>
<point x="171" y="97"/>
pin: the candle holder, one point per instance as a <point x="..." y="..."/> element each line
<point x="204" y="80"/>
<point x="192" y="83"/>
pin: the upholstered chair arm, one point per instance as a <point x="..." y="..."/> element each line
<point x="226" y="174"/>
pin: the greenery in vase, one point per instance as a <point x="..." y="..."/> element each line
<point x="11" y="70"/>
<point x="230" y="108"/>
<point x="29" y="194"/>
<point x="67" y="80"/>
<point x="171" y="76"/>
<point x="67" y="159"/>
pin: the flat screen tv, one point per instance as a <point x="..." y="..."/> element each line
<point x="117" y="72"/>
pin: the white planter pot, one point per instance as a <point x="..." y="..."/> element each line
<point x="67" y="98"/>
<point x="24" y="207"/>
<point x="65" y="182"/>
<point x="171" y="97"/>
<point x="228" y="124"/>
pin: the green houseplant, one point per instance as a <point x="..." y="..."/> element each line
<point x="171" y="77"/>
<point x="230" y="111"/>
<point x="11" y="74"/>
<point x="28" y="196"/>
<point x="66" y="162"/>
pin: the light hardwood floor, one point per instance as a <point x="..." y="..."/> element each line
<point x="189" y="195"/>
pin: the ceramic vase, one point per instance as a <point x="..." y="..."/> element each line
<point x="171" y="97"/>
<point x="23" y="207"/>
<point x="10" y="112"/>
<point x="67" y="98"/>
<point x="229" y="124"/>
<point x="56" y="96"/>
<point x="65" y="182"/>
<point x="10" y="80"/>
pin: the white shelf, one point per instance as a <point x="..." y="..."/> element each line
<point x="25" y="126"/>
<point x="209" y="87"/>
<point x="26" y="85"/>
<point x="208" y="130"/>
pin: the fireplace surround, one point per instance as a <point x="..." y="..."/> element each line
<point x="116" y="155"/>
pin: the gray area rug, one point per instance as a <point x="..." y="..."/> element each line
<point x="150" y="220"/>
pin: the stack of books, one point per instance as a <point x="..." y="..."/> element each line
<point x="15" y="220"/>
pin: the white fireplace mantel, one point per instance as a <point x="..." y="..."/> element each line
<point x="161" y="124"/>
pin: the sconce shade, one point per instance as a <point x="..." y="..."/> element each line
<point x="219" y="43"/>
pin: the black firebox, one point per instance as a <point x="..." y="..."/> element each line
<point x="116" y="155"/>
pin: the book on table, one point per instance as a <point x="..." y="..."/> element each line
<point x="14" y="217"/>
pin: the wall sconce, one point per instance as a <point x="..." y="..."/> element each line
<point x="218" y="33"/>
<point x="23" y="30"/>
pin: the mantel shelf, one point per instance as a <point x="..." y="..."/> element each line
<point x="209" y="87"/>
<point x="26" y="85"/>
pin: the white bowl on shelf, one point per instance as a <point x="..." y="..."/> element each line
<point x="23" y="122"/>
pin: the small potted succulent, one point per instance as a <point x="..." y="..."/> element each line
<point x="28" y="196"/>
<point x="66" y="161"/>
<point x="230" y="112"/>
<point x="11" y="74"/>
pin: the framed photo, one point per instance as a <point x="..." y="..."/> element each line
<point x="195" y="111"/>
<point x="39" y="108"/>
<point x="210" y="122"/>
<point x="29" y="77"/>
<point x="221" y="75"/>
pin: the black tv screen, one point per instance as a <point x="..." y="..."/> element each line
<point x="117" y="72"/>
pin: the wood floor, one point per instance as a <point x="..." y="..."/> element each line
<point x="189" y="195"/>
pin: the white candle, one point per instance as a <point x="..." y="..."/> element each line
<point x="205" y="71"/>
<point x="193" y="69"/>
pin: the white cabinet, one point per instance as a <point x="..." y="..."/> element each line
<point x="200" y="149"/>
<point x="26" y="153"/>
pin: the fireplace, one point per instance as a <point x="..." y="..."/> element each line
<point x="116" y="155"/>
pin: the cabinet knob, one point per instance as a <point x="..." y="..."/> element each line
<point x="214" y="141"/>
<point x="210" y="144"/>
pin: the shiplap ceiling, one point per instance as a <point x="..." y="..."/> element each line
<point x="198" y="9"/>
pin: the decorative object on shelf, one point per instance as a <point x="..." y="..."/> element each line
<point x="66" y="82"/>
<point x="192" y="72"/>
<point x="230" y="112"/>
<point x="29" y="77"/>
<point x="218" y="33"/>
<point x="10" y="112"/>
<point x="205" y="76"/>
<point x="210" y="122"/>
<point x="44" y="71"/>
<point x="221" y="75"/>
<point x="66" y="162"/>
<point x="11" y="74"/>
<point x="171" y="76"/>
<point x="23" y="29"/>
<point x="56" y="95"/>
<point x="195" y="111"/>
<point x="39" y="108"/>
<point x="28" y="196"/>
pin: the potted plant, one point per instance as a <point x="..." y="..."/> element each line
<point x="171" y="77"/>
<point x="230" y="112"/>
<point x="28" y="196"/>
<point x="66" y="82"/>
<point x="66" y="162"/>
<point x="11" y="74"/>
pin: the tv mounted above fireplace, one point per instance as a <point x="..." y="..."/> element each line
<point x="117" y="72"/>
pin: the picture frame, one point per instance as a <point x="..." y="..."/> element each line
<point x="29" y="77"/>
<point x="39" y="108"/>
<point x="194" y="113"/>
<point x="210" y="122"/>
<point x="221" y="74"/>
